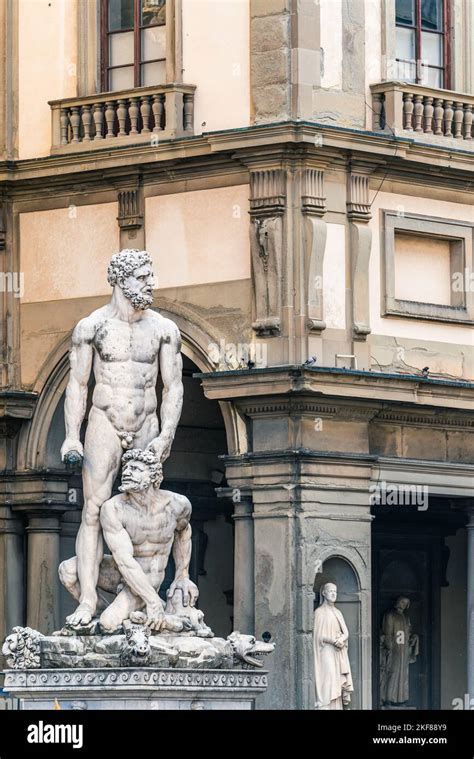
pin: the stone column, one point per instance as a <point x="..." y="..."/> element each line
<point x="42" y="603"/>
<point x="470" y="602"/>
<point x="11" y="572"/>
<point x="244" y="599"/>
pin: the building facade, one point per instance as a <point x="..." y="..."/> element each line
<point x="302" y="174"/>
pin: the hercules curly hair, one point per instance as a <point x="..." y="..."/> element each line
<point x="124" y="263"/>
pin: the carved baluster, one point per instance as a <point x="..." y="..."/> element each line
<point x="438" y="116"/>
<point x="122" y="117"/>
<point x="377" y="102"/>
<point x="110" y="118"/>
<point x="448" y="117"/>
<point x="145" y="110"/>
<point x="428" y="115"/>
<point x="98" y="114"/>
<point x="64" y="121"/>
<point x="75" y="123"/>
<point x="418" y="113"/>
<point x="408" y="111"/>
<point x="86" y="122"/>
<point x="467" y="125"/>
<point x="158" y="108"/>
<point x="189" y="113"/>
<point x="133" y="112"/>
<point x="458" y="117"/>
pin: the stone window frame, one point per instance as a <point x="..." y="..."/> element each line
<point x="459" y="233"/>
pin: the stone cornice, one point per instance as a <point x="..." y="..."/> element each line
<point x="372" y="389"/>
<point x="408" y="417"/>
<point x="235" y="149"/>
<point x="300" y="454"/>
<point x="42" y="492"/>
<point x="17" y="404"/>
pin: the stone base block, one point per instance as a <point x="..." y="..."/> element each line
<point x="135" y="688"/>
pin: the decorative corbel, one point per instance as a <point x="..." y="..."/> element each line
<point x="3" y="231"/>
<point x="267" y="206"/>
<point x="130" y="217"/>
<point x="360" y="235"/>
<point x="313" y="208"/>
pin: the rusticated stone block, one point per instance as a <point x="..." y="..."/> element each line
<point x="420" y="443"/>
<point x="271" y="67"/>
<point x="460" y="446"/>
<point x="271" y="102"/>
<point x="268" y="7"/>
<point x="269" y="33"/>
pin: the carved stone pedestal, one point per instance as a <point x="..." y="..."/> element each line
<point x="135" y="688"/>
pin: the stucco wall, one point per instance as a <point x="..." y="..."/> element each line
<point x="216" y="59"/>
<point x="334" y="277"/>
<point x="65" y="252"/>
<point x="331" y="43"/>
<point x="199" y="236"/>
<point x="47" y="68"/>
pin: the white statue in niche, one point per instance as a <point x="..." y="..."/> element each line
<point x="332" y="670"/>
<point x="399" y="649"/>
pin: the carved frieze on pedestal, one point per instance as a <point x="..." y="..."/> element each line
<point x="359" y="214"/>
<point x="267" y="207"/>
<point x="313" y="208"/>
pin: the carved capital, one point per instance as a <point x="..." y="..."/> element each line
<point x="267" y="192"/>
<point x="313" y="200"/>
<point x="358" y="206"/>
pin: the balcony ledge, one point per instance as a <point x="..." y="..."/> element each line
<point x="142" y="115"/>
<point x="428" y="115"/>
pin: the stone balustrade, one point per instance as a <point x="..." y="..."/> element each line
<point x="412" y="109"/>
<point x="142" y="114"/>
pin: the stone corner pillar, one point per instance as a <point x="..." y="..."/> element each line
<point x="244" y="548"/>
<point x="244" y="580"/>
<point x="11" y="573"/>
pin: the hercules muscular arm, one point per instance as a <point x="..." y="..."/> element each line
<point x="171" y="368"/>
<point x="80" y="359"/>
<point x="182" y="547"/>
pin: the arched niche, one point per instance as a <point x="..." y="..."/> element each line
<point x="340" y="571"/>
